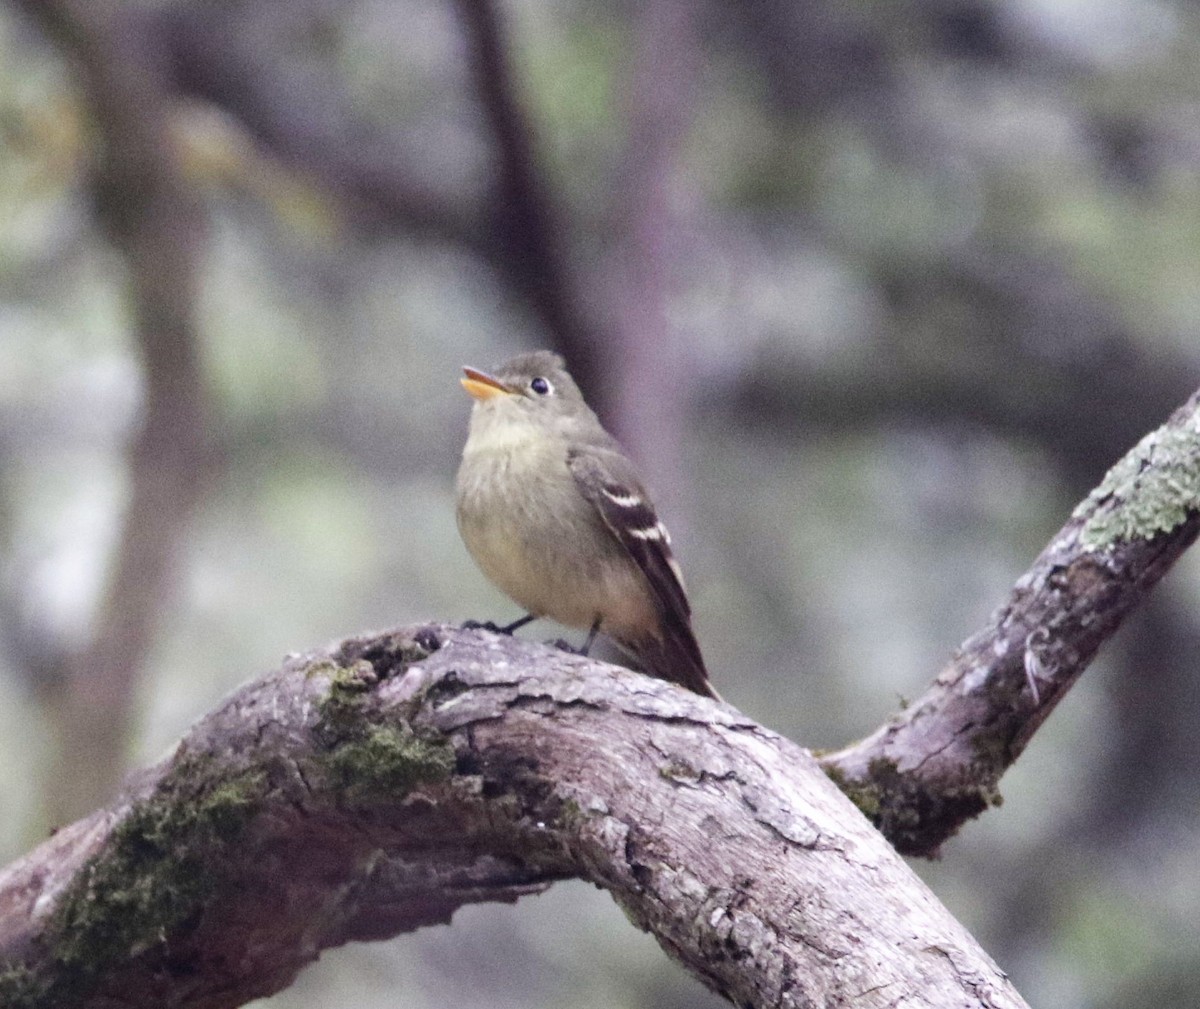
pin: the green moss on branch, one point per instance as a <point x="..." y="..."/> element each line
<point x="366" y="758"/>
<point x="153" y="879"/>
<point x="384" y="763"/>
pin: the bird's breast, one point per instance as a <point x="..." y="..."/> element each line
<point x="536" y="537"/>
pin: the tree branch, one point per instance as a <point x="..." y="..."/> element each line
<point x="377" y="787"/>
<point x="937" y="763"/>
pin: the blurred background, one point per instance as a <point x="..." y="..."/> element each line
<point x="875" y="292"/>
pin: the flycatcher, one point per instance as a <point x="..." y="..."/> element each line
<point x="555" y="516"/>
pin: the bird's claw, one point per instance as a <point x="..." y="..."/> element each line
<point x="481" y="625"/>
<point x="487" y="625"/>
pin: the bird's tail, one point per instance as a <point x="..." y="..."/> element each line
<point x="675" y="656"/>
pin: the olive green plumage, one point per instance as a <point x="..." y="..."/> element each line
<point x="555" y="516"/>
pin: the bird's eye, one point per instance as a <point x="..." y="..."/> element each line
<point x="541" y="386"/>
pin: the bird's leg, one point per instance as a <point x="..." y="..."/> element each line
<point x="488" y="625"/>
<point x="566" y="646"/>
<point x="517" y="624"/>
<point x="591" y="638"/>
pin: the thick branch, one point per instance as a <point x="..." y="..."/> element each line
<point x="375" y="788"/>
<point x="937" y="763"/>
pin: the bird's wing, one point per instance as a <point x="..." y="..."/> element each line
<point x="607" y="479"/>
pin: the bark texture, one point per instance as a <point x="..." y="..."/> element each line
<point x="378" y="786"/>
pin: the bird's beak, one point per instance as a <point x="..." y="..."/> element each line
<point x="483" y="386"/>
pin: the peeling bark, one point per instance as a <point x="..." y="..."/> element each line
<point x="377" y="787"/>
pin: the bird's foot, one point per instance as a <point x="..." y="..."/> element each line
<point x="488" y="625"/>
<point x="565" y="646"/>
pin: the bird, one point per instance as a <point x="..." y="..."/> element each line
<point x="554" y="514"/>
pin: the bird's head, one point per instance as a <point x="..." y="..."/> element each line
<point x="534" y="388"/>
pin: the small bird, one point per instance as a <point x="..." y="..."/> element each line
<point x="555" y="516"/>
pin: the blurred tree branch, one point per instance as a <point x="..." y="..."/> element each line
<point x="306" y="120"/>
<point x="1039" y="359"/>
<point x="375" y="788"/>
<point x="521" y="208"/>
<point x="651" y="366"/>
<point x="513" y="226"/>
<point x="152" y="216"/>
<point x="816" y="58"/>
